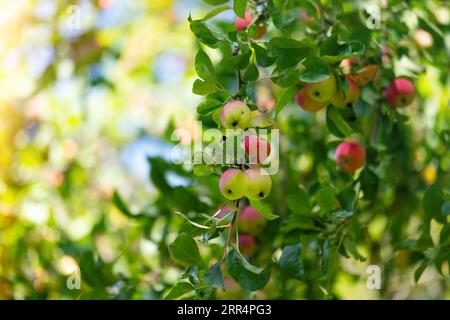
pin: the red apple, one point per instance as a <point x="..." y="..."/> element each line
<point x="243" y="24"/>
<point x="350" y="156"/>
<point x="250" y="220"/>
<point x="400" y="93"/>
<point x="256" y="148"/>
<point x="247" y="244"/>
<point x="308" y="104"/>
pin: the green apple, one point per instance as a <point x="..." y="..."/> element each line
<point x="321" y="91"/>
<point x="258" y="184"/>
<point x="233" y="184"/>
<point x="235" y="114"/>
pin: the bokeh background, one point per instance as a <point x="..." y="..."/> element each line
<point x="88" y="91"/>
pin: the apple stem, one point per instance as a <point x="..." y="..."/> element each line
<point x="230" y="230"/>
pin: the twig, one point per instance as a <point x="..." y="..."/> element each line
<point x="231" y="230"/>
<point x="382" y="58"/>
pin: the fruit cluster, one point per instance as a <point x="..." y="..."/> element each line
<point x="350" y="155"/>
<point x="316" y="96"/>
<point x="252" y="182"/>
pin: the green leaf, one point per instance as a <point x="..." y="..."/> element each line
<point x="238" y="62"/>
<point x="248" y="276"/>
<point x="262" y="208"/>
<point x="350" y="247"/>
<point x="239" y="7"/>
<point x="445" y="210"/>
<point x="262" y="57"/>
<point x="290" y="262"/>
<point x="184" y="251"/>
<point x="298" y="203"/>
<point x="336" y="123"/>
<point x="315" y="70"/>
<point x="433" y="200"/>
<point x="204" y="66"/>
<point x="214" y="277"/>
<point x="206" y="34"/>
<point x="286" y="96"/>
<point x="289" y="52"/>
<point x="215" y="2"/>
<point x="202" y="88"/>
<point x="420" y="269"/>
<point x="325" y="198"/>
<point x="251" y="74"/>
<point x="158" y="168"/>
<point x="178" y="290"/>
<point x="215" y="12"/>
<point x="207" y="106"/>
<point x="121" y="205"/>
<point x="329" y="45"/>
<point x="344" y="51"/>
<point x="202" y="170"/>
<point x="369" y="183"/>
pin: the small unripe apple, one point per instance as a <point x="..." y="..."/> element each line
<point x="347" y="64"/>
<point x="233" y="184"/>
<point x="243" y="24"/>
<point x="251" y="221"/>
<point x="423" y="38"/>
<point x="347" y="98"/>
<point x="350" y="156"/>
<point x="400" y="93"/>
<point x="257" y="149"/>
<point x="235" y="114"/>
<point x="323" y="90"/>
<point x="247" y="244"/>
<point x="258" y="185"/>
<point x="232" y="290"/>
<point x="308" y="104"/>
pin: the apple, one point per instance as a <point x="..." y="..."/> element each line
<point x="247" y="244"/>
<point x="347" y="64"/>
<point x="347" y="98"/>
<point x="250" y="221"/>
<point x="400" y="93"/>
<point x="243" y="24"/>
<point x="308" y="104"/>
<point x="235" y="114"/>
<point x="232" y="290"/>
<point x="423" y="38"/>
<point x="350" y="156"/>
<point x="323" y="90"/>
<point x="233" y="184"/>
<point x="258" y="185"/>
<point x="257" y="149"/>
